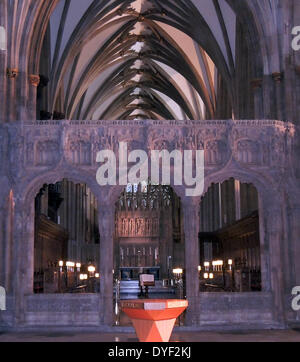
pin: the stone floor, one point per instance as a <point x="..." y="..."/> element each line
<point x="236" y="336"/>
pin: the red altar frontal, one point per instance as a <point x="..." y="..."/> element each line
<point x="154" y="319"/>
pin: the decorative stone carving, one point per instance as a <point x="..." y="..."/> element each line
<point x="46" y="153"/>
<point x="278" y="154"/>
<point x="16" y="153"/>
<point x="81" y="153"/>
<point x="253" y="143"/>
<point x="160" y="145"/>
<point x="12" y="73"/>
<point x="30" y="154"/>
<point x="34" y="80"/>
<point x="79" y="148"/>
<point x="248" y="152"/>
<point x="137" y="227"/>
<point x="215" y="152"/>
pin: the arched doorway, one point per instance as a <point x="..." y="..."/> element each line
<point x="66" y="239"/>
<point x="230" y="256"/>
<point x="149" y="240"/>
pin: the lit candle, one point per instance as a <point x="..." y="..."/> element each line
<point x="91" y="269"/>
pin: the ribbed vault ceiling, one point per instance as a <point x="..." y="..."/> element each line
<point x="125" y="59"/>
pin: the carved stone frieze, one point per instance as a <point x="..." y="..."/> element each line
<point x="137" y="227"/>
<point x="46" y="153"/>
<point x="252" y="144"/>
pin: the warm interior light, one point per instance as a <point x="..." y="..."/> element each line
<point x="61" y="263"/>
<point x="206" y="264"/>
<point x="199" y="268"/>
<point x="205" y="275"/>
<point x="97" y="275"/>
<point x="217" y="263"/>
<point x="78" y="265"/>
<point x="91" y="269"/>
<point x="211" y="276"/>
<point x="230" y="261"/>
<point x="81" y="277"/>
<point x="177" y="271"/>
<point x="70" y="264"/>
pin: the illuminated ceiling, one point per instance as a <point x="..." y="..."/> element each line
<point x="143" y="59"/>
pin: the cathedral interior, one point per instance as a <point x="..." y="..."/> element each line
<point x="220" y="76"/>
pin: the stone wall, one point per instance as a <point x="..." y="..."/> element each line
<point x="62" y="310"/>
<point x="235" y="308"/>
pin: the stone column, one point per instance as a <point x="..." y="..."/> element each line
<point x="216" y="222"/>
<point x="258" y="98"/>
<point x="274" y="217"/>
<point x="277" y="77"/>
<point x="224" y="219"/>
<point x="202" y="216"/>
<point x="191" y="207"/>
<point x="205" y="211"/>
<point x="292" y="255"/>
<point x="237" y="185"/>
<point x="77" y="237"/>
<point x="295" y="232"/>
<point x="106" y="216"/>
<point x="6" y="241"/>
<point x="3" y="65"/>
<point x="210" y="209"/>
<point x="23" y="257"/>
<point x="34" y="81"/>
<point x="64" y="221"/>
<point x="2" y="247"/>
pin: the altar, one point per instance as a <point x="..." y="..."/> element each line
<point x="132" y="273"/>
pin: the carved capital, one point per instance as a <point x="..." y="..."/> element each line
<point x="34" y="80"/>
<point x="277" y="76"/>
<point x="12" y="73"/>
<point x="256" y="83"/>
